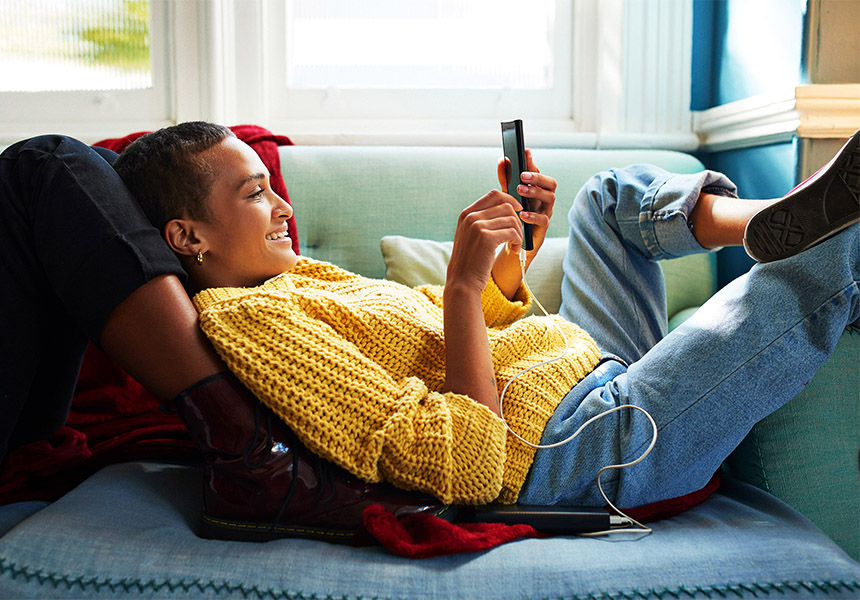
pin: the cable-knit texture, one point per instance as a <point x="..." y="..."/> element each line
<point x="356" y="366"/>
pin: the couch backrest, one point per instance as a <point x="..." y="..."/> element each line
<point x="347" y="198"/>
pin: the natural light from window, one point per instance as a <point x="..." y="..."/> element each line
<point x="422" y="44"/>
<point x="68" y="45"/>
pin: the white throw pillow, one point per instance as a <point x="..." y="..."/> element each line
<point x="413" y="261"/>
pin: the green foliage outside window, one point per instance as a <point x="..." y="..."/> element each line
<point x="75" y="45"/>
<point x="124" y="43"/>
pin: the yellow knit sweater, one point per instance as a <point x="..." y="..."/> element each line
<point x="356" y="366"/>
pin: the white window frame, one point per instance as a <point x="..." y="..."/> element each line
<point x="607" y="105"/>
<point x="629" y="86"/>
<point x="92" y="115"/>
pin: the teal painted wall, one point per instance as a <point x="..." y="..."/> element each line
<point x="744" y="48"/>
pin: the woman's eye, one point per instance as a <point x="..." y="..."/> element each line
<point x="257" y="194"/>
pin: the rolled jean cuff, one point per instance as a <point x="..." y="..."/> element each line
<point x="665" y="210"/>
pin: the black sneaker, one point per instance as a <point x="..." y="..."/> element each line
<point x="815" y="210"/>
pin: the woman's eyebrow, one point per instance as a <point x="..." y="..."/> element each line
<point x="250" y="178"/>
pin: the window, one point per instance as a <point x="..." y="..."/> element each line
<point x="585" y="73"/>
<point x="579" y="72"/>
<point x="75" y="45"/>
<point x="419" y="60"/>
<point x="442" y="44"/>
<point x="84" y="62"/>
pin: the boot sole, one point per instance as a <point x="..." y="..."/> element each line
<point x="214" y="528"/>
<point x="241" y="531"/>
<point x="811" y="214"/>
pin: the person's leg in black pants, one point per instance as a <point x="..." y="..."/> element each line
<point x="78" y="262"/>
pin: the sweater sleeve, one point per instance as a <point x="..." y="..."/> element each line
<point x="348" y="409"/>
<point x="498" y="309"/>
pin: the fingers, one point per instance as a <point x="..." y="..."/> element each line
<point x="495" y="216"/>
<point x="540" y="189"/>
<point x="482" y="227"/>
<point x="503" y="169"/>
<point x="494" y="198"/>
<point x="544" y="182"/>
<point x="530" y="162"/>
<point x="533" y="184"/>
<point x="537" y="219"/>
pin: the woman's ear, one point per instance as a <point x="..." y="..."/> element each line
<point x="180" y="235"/>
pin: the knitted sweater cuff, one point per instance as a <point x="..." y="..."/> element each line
<point x="499" y="310"/>
<point x="478" y="452"/>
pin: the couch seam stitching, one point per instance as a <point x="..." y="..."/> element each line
<point x="56" y="581"/>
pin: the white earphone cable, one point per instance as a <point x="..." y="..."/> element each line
<point x="642" y="528"/>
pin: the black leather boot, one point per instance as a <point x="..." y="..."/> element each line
<point x="261" y="483"/>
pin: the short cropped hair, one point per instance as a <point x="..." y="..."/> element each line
<point x="164" y="173"/>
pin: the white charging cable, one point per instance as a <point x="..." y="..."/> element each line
<point x="641" y="527"/>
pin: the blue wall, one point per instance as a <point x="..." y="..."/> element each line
<point x="744" y="48"/>
<point x="761" y="172"/>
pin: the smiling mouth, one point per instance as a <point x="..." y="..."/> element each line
<point x="278" y="236"/>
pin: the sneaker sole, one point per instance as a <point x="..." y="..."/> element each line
<point x="810" y="215"/>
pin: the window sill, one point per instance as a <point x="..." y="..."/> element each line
<point x="538" y="133"/>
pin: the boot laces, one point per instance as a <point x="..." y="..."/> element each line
<point x="323" y="470"/>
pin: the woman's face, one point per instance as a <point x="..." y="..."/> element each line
<point x="244" y="241"/>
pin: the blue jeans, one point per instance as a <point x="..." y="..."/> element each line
<point x="750" y="349"/>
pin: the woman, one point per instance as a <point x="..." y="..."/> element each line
<point x="422" y="356"/>
<point x="403" y="385"/>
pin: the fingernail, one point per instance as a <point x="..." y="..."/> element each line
<point x="523" y="189"/>
<point x="527" y="175"/>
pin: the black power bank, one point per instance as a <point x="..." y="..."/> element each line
<point x="550" y="519"/>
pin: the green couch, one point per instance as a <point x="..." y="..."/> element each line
<point x="129" y="530"/>
<point x="349" y="199"/>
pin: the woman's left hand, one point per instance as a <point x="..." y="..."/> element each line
<point x="540" y="189"/>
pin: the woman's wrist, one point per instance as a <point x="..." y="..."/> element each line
<point x="507" y="272"/>
<point x="463" y="289"/>
<point x="468" y="362"/>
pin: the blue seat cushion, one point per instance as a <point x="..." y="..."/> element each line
<point x="128" y="532"/>
<point x="13" y="514"/>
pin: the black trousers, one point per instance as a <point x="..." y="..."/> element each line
<point x="73" y="245"/>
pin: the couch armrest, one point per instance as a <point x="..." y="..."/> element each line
<point x="806" y="453"/>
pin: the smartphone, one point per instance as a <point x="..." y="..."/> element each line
<point x="515" y="152"/>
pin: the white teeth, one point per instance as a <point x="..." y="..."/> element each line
<point x="278" y="235"/>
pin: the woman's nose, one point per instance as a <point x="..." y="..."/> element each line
<point x="282" y="208"/>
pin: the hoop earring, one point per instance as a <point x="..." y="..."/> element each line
<point x="199" y="258"/>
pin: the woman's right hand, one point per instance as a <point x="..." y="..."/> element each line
<point x="482" y="227"/>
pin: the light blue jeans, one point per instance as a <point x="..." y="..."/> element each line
<point x="750" y="349"/>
